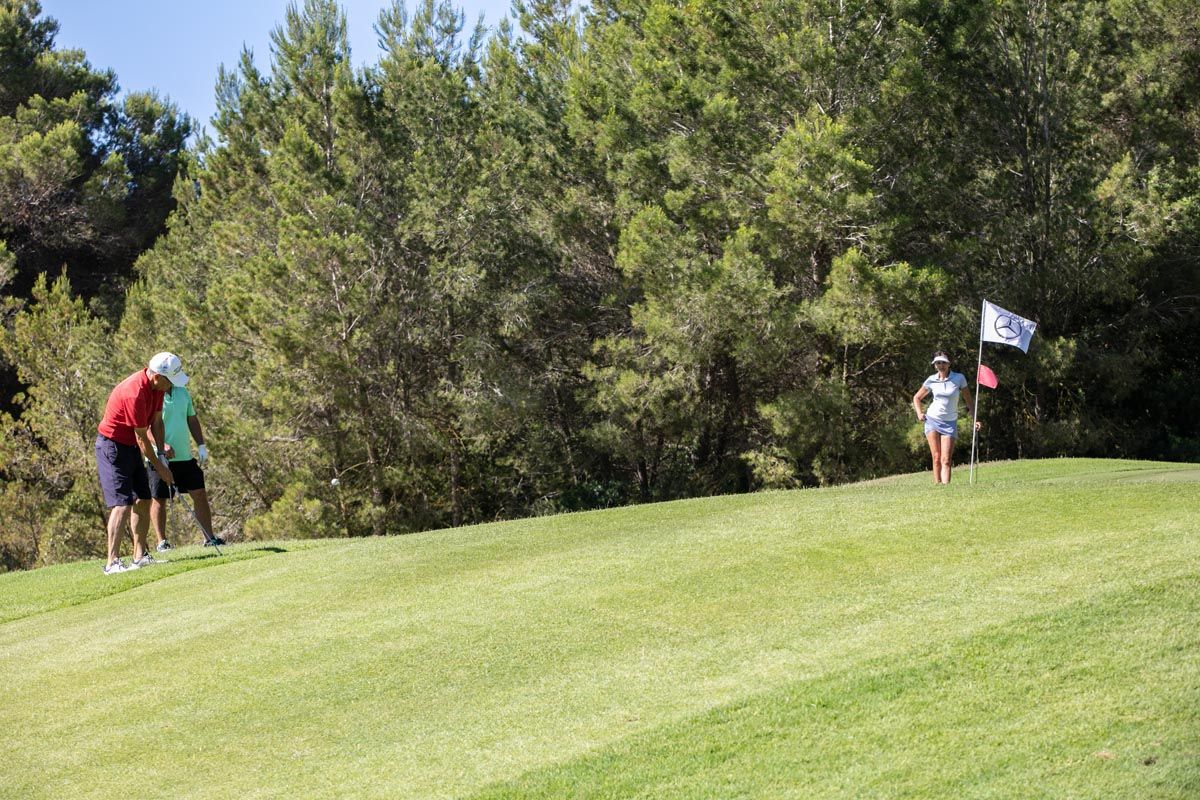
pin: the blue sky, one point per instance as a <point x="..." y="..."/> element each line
<point x="176" y="47"/>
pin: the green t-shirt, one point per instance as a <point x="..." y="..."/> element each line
<point x="177" y="407"/>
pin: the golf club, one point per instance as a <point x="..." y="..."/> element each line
<point x="208" y="537"/>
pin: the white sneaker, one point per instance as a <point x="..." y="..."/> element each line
<point x="115" y="567"/>
<point x="145" y="561"/>
<point x="163" y="546"/>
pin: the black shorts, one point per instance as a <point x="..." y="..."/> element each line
<point x="187" y="474"/>
<point x="122" y="476"/>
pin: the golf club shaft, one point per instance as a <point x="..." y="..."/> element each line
<point x="208" y="537"/>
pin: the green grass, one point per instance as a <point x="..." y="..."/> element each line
<point x="1032" y="636"/>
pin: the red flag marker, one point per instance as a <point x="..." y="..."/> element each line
<point x="987" y="377"/>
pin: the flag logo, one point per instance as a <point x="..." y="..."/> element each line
<point x="1006" y="327"/>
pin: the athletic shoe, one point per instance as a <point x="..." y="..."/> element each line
<point x="216" y="541"/>
<point x="163" y="546"/>
<point x="146" y="560"/>
<point x="115" y="567"/>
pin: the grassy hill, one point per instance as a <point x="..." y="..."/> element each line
<point x="1036" y="635"/>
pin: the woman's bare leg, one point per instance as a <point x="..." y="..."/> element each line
<point x="947" y="457"/>
<point x="935" y="451"/>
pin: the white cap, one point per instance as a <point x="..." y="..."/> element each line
<point x="938" y="358"/>
<point x="169" y="366"/>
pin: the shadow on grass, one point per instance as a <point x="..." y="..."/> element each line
<point x="81" y="584"/>
<point x="229" y="555"/>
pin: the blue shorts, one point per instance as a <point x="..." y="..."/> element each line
<point x="942" y="428"/>
<point x="122" y="475"/>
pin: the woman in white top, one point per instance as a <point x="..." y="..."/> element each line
<point x="941" y="417"/>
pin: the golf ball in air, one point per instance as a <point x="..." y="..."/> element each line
<point x="334" y="482"/>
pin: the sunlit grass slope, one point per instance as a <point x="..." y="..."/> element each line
<point x="1036" y="635"/>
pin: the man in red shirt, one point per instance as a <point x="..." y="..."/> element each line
<point x="134" y="406"/>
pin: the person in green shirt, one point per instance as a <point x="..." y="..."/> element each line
<point x="179" y="423"/>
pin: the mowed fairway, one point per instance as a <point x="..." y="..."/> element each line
<point x="1036" y="635"/>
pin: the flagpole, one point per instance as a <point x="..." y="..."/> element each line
<point x="975" y="415"/>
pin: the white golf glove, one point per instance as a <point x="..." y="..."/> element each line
<point x="202" y="455"/>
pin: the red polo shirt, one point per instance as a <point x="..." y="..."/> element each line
<point x="131" y="404"/>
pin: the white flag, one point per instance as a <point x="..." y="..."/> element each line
<point x="1006" y="327"/>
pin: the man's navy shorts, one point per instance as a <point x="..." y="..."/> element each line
<point x="122" y="475"/>
<point x="187" y="474"/>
